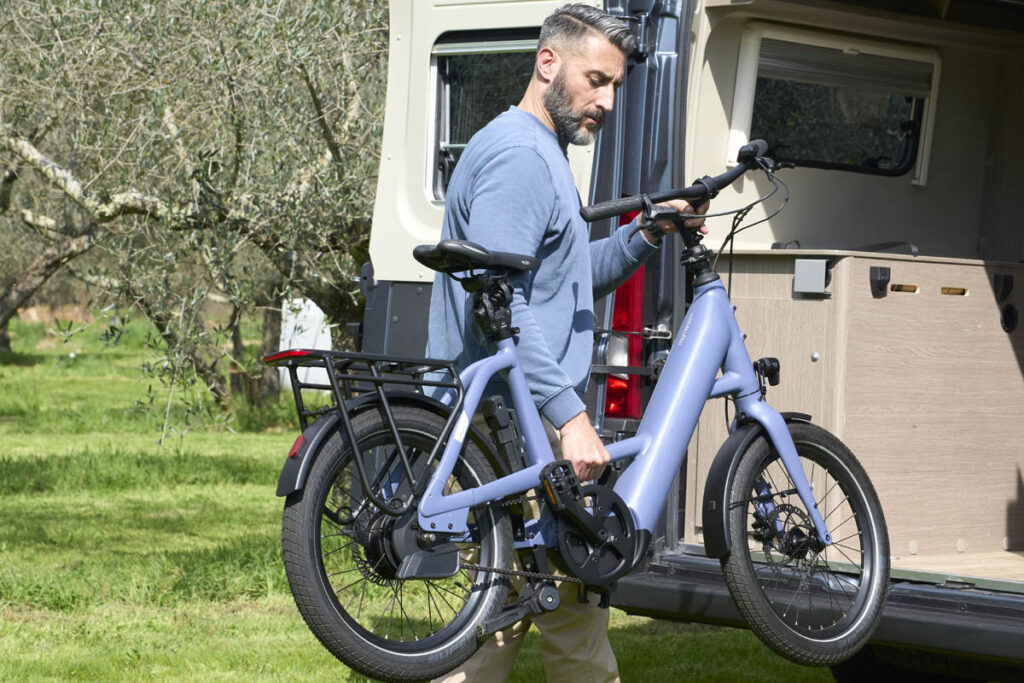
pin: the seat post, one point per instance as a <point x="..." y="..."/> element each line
<point x="492" y="298"/>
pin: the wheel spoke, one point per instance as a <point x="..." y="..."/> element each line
<point x="342" y="547"/>
<point x="453" y="593"/>
<point x="827" y="493"/>
<point x="362" y="596"/>
<point x="838" y="505"/>
<point x="441" y="595"/>
<point x="401" y="606"/>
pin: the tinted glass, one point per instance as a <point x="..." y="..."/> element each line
<point x="482" y="86"/>
<point x="831" y="125"/>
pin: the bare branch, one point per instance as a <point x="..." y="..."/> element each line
<point x="40" y="270"/>
<point x="44" y="225"/>
<point x="179" y="147"/>
<point x="127" y="203"/>
<point x="356" y="103"/>
<point x="13" y="172"/>
<point x="321" y="117"/>
<point x="124" y="203"/>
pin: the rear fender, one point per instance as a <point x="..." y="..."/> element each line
<point x="719" y="481"/>
<point x="296" y="469"/>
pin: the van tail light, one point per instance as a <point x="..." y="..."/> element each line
<point x="622" y="392"/>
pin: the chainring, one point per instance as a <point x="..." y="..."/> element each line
<point x="599" y="563"/>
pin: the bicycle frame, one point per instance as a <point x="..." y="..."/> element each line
<point x="709" y="339"/>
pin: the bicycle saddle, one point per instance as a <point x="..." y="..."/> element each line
<point x="453" y="256"/>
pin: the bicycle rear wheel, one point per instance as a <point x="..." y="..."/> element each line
<point x="341" y="555"/>
<point x="811" y="604"/>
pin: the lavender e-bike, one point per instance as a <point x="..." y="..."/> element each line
<point x="406" y="524"/>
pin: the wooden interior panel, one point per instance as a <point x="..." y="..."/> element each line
<point x="926" y="388"/>
<point x="935" y="406"/>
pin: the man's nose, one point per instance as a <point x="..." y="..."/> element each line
<point x="606" y="97"/>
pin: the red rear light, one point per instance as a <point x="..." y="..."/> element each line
<point x="296" y="446"/>
<point x="622" y="394"/>
<point x="617" y="403"/>
<point x="282" y="355"/>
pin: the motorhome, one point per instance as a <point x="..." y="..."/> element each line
<point x="889" y="286"/>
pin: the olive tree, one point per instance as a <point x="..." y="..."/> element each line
<point x="199" y="150"/>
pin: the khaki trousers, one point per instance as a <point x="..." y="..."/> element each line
<point x="573" y="639"/>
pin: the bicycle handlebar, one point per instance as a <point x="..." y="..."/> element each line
<point x="705" y="188"/>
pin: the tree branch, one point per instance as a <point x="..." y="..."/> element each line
<point x="36" y="275"/>
<point x="321" y="117"/>
<point x="121" y="204"/>
<point x="13" y="172"/>
<point x="43" y="225"/>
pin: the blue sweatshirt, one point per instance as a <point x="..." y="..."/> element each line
<point x="513" y="191"/>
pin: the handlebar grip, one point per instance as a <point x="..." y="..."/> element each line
<point x="612" y="207"/>
<point x="752" y="150"/>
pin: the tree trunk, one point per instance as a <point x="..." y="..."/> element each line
<point x="239" y="379"/>
<point x="270" y="379"/>
<point x="5" y="338"/>
<point x="36" y="275"/>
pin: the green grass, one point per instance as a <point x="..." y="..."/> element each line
<point x="121" y="559"/>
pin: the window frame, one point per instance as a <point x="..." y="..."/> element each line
<point x="460" y="43"/>
<point x="746" y="85"/>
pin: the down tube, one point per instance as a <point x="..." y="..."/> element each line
<point x="676" y="404"/>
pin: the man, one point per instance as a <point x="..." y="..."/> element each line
<point x="513" y="191"/>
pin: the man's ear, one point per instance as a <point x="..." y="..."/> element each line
<point x="548" y="64"/>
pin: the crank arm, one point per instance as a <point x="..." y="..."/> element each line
<point x="535" y="599"/>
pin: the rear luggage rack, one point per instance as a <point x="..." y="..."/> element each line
<point x="355" y="380"/>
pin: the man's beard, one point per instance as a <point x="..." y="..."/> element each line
<point x="568" y="124"/>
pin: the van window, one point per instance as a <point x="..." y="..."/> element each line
<point x="854" y="106"/>
<point x="822" y="107"/>
<point x="476" y="81"/>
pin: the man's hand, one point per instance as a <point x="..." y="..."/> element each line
<point x="583" y="447"/>
<point x="681" y="206"/>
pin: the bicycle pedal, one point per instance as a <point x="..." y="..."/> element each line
<point x="560" y="485"/>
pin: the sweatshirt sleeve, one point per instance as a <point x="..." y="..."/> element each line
<point x="501" y="220"/>
<point x="616" y="257"/>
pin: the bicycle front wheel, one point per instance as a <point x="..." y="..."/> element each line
<point x="813" y="604"/>
<point x="342" y="554"/>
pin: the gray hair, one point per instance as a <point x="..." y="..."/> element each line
<point x="572" y="23"/>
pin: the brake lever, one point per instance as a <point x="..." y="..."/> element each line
<point x="652" y="213"/>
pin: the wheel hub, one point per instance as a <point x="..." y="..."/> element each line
<point x="378" y="549"/>
<point x="788" y="530"/>
<point x="386" y="540"/>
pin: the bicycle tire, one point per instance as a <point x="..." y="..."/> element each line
<point x="813" y="606"/>
<point x="320" y="574"/>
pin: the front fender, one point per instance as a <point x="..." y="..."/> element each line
<point x="719" y="481"/>
<point x="296" y="469"/>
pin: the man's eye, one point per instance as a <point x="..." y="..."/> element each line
<point x="596" y="83"/>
